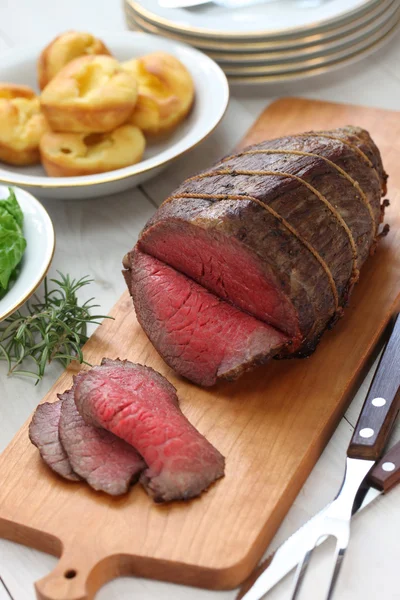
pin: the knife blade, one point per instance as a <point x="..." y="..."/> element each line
<point x="373" y="427"/>
<point x="381" y="479"/>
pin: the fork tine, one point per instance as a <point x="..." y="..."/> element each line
<point x="300" y="572"/>
<point x="339" y="555"/>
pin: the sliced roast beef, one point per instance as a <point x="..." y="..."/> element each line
<point x="43" y="433"/>
<point x="107" y="463"/>
<point x="201" y="336"/>
<point x="279" y="230"/>
<point x="140" y="406"/>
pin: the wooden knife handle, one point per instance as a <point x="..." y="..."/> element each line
<point x="381" y="405"/>
<point x="386" y="473"/>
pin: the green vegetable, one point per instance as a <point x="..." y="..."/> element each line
<point x="12" y="241"/>
<point x="12" y="280"/>
<point x="12" y="206"/>
<point x="54" y="328"/>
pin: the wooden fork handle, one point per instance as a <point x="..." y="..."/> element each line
<point x="381" y="405"/>
<point x="386" y="473"/>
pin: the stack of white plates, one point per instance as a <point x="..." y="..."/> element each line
<point x="275" y="41"/>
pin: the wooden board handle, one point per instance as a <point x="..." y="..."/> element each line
<point x="381" y="405"/>
<point x="65" y="582"/>
<point x="77" y="576"/>
<point x="386" y="473"/>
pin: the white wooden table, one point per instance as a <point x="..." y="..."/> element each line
<point x="93" y="235"/>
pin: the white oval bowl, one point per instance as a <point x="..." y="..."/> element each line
<point x="212" y="96"/>
<point x="39" y="234"/>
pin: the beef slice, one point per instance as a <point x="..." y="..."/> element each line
<point x="140" y="406"/>
<point x="43" y="433"/>
<point x="106" y="462"/>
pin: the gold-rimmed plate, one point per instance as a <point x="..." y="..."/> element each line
<point x="381" y="16"/>
<point x="373" y="38"/>
<point x="19" y="66"/>
<point x="251" y="79"/>
<point x="381" y="30"/>
<point x="282" y="19"/>
<point x="323" y="48"/>
<point x="297" y="42"/>
<point x="39" y="234"/>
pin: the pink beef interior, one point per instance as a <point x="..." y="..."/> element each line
<point x="223" y="266"/>
<point x="198" y="334"/>
<point x="140" y="406"/>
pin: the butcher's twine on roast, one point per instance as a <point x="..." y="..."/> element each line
<point x="279" y="230"/>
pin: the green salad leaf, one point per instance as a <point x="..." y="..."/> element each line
<point x="12" y="280"/>
<point x="12" y="241"/>
<point x="12" y="206"/>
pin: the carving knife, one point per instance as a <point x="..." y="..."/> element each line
<point x="371" y="432"/>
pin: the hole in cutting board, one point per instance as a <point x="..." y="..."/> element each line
<point x="70" y="574"/>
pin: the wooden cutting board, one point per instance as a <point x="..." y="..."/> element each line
<point x="272" y="425"/>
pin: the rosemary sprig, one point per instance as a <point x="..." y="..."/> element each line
<point x="54" y="328"/>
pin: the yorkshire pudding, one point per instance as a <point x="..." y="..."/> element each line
<point x="90" y="94"/>
<point x="21" y="125"/>
<point x="63" y="49"/>
<point x="72" y="154"/>
<point x="8" y="91"/>
<point x="166" y="92"/>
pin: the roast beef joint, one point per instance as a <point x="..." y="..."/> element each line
<point x="256" y="257"/>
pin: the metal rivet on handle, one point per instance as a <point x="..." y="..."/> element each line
<point x="388" y="466"/>
<point x="367" y="432"/>
<point x="379" y="402"/>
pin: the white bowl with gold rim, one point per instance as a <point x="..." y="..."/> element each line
<point x="19" y="66"/>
